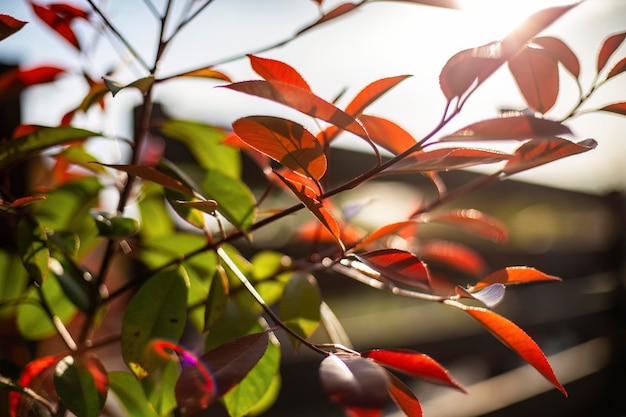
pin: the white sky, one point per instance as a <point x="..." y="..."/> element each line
<point x="379" y="40"/>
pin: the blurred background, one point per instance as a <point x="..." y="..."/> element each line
<point x="566" y="219"/>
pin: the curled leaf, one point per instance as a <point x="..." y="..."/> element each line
<point x="490" y="295"/>
<point x="514" y="275"/>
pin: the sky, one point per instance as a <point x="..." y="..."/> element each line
<point x="382" y="39"/>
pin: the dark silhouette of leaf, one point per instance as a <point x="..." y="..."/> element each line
<point x="398" y="266"/>
<point x="415" y="364"/>
<point x="404" y="397"/>
<point x="617" y="108"/>
<point x="561" y="52"/>
<point x="518" y="127"/>
<point x="273" y="70"/>
<point x="455" y="255"/>
<point x="141" y="84"/>
<point x="82" y="384"/>
<point x="608" y="48"/>
<point x="471" y="220"/>
<point x="152" y="174"/>
<point x="354" y="382"/>
<point x="513" y="275"/>
<point x="538" y="152"/>
<point x="516" y="339"/>
<point x="9" y="25"/>
<point x="537" y="76"/>
<point x="617" y="69"/>
<point x="387" y="134"/>
<point x="284" y="141"/>
<point x="445" y="159"/>
<point x="59" y="16"/>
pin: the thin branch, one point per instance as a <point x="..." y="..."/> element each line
<point x="56" y="321"/>
<point x="9" y="385"/>
<point x="152" y="8"/>
<point x="190" y="18"/>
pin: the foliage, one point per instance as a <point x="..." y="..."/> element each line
<point x="198" y="324"/>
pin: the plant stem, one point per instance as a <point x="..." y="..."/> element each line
<point x="56" y="321"/>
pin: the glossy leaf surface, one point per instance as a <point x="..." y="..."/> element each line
<point x="470" y="220"/>
<point x="445" y="159"/>
<point x="514" y="275"/>
<point x="398" y="266"/>
<point x="517" y="127"/>
<point x="82" y="384"/>
<point x="538" y="152"/>
<point x="9" y="25"/>
<point x="286" y="142"/>
<point x="490" y="295"/>
<point x="608" y="48"/>
<point x="415" y="364"/>
<point x="537" y="76"/>
<point x="404" y="397"/>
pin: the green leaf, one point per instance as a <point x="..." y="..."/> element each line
<point x="268" y="264"/>
<point x="300" y="305"/>
<point x="11" y="289"/>
<point x="234" y="198"/>
<point x="32" y="320"/>
<point x="159" y="387"/>
<point x="187" y="213"/>
<point x="205" y="144"/>
<point x="115" y="227"/>
<point x="82" y="384"/>
<point x="153" y="212"/>
<point x="157" y="311"/>
<point x="74" y="282"/>
<point x="235" y="321"/>
<point x="217" y="299"/>
<point x="251" y="391"/>
<point x="20" y="148"/>
<point x="130" y="394"/>
<point x="33" y="248"/>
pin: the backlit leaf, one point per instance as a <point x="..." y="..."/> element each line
<point x="415" y="364"/>
<point x="561" y="52"/>
<point x="398" y="266"/>
<point x="19" y="404"/>
<point x="16" y="80"/>
<point x="284" y="141"/>
<point x="310" y="199"/>
<point x="42" y="138"/>
<point x="617" y="108"/>
<point x="445" y="159"/>
<point x="273" y="70"/>
<point x="354" y="382"/>
<point x="404" y="397"/>
<point x="514" y="275"/>
<point x="152" y="174"/>
<point x="518" y="127"/>
<point x="130" y="394"/>
<point x="217" y="299"/>
<point x="9" y="25"/>
<point x="608" y="48"/>
<point x="387" y="134"/>
<point x="538" y="152"/>
<point x="300" y="305"/>
<point x="82" y="384"/>
<point x="516" y="339"/>
<point x="617" y="69"/>
<point x="206" y="72"/>
<point x="384" y="231"/>
<point x="470" y="220"/>
<point x="453" y="255"/>
<point x="59" y="16"/>
<point x="235" y="200"/>
<point x="157" y="311"/>
<point x="537" y="76"/>
<point x="33" y="248"/>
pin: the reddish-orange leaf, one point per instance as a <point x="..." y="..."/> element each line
<point x="514" y="275"/>
<point x="387" y="134"/>
<point x="151" y="174"/>
<point x="415" y="364"/>
<point x="26" y="201"/>
<point x="398" y="266"/>
<point x="313" y="231"/>
<point x="455" y="255"/>
<point x="538" y="152"/>
<point x="446" y="159"/>
<point x="537" y="76"/>
<point x="404" y="397"/>
<point x="310" y="199"/>
<point x="371" y="93"/>
<point x="384" y="231"/>
<point x="517" y="127"/>
<point x="206" y="72"/>
<point x="59" y="16"/>
<point x="273" y="70"/>
<point x="561" y="52"/>
<point x="333" y="14"/>
<point x="302" y="100"/>
<point x="284" y="141"/>
<point x="617" y="69"/>
<point x="516" y="339"/>
<point x="608" y="48"/>
<point x="9" y="25"/>
<point x="27" y="377"/>
<point x="471" y="220"/>
<point x="617" y="108"/>
<point x="39" y="75"/>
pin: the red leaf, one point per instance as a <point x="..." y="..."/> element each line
<point x="446" y="159"/>
<point x="415" y="364"/>
<point x="39" y="75"/>
<point x="617" y="108"/>
<point x="302" y="100"/>
<point x="518" y="127"/>
<point x="561" y="52"/>
<point x="455" y="255"/>
<point x="538" y="152"/>
<point x="313" y="231"/>
<point x="371" y="93"/>
<point x="355" y="383"/>
<point x="151" y="174"/>
<point x="608" y="48"/>
<point x="28" y="378"/>
<point x="9" y="25"/>
<point x="471" y="220"/>
<point x="387" y="134"/>
<point x="514" y="275"/>
<point x="59" y="16"/>
<point x="516" y="339"/>
<point x="273" y="70"/>
<point x="384" y="231"/>
<point x="310" y="199"/>
<point x="404" y="397"/>
<point x="537" y="76"/>
<point x="284" y="141"/>
<point x="398" y="266"/>
<point x="617" y="69"/>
